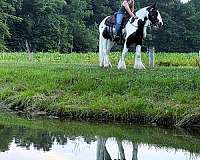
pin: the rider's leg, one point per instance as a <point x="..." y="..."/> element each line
<point x="119" y="18"/>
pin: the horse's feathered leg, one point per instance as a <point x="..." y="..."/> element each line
<point x="122" y="64"/>
<point x="106" y="48"/>
<point x="109" y="46"/>
<point x="138" y="60"/>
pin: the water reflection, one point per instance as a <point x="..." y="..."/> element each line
<point x="23" y="143"/>
<point x="102" y="153"/>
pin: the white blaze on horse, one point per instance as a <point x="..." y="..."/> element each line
<point x="134" y="33"/>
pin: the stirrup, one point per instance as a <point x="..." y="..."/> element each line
<point x="116" y="38"/>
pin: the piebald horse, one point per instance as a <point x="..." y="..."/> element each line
<point x="134" y="31"/>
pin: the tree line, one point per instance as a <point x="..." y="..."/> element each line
<point x="72" y="25"/>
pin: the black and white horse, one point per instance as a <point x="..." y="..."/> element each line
<point x="135" y="31"/>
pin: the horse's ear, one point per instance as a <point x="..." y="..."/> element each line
<point x="153" y="6"/>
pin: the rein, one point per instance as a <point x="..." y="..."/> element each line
<point x="137" y="26"/>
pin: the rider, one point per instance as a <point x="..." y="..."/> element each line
<point x="127" y="7"/>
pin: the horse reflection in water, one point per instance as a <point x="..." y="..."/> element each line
<point x="102" y="152"/>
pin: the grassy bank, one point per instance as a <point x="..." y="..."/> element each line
<point x="70" y="87"/>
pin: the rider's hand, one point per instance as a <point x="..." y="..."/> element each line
<point x="134" y="16"/>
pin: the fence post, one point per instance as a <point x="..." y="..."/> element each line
<point x="151" y="57"/>
<point x="198" y="60"/>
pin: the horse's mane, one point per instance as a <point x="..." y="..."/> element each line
<point x="140" y="13"/>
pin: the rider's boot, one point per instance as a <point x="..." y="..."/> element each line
<point x="116" y="37"/>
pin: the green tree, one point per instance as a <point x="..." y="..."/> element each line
<point x="42" y="26"/>
<point x="7" y="17"/>
<point x="65" y="25"/>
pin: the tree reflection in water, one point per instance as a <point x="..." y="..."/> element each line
<point x="40" y="139"/>
<point x="44" y="140"/>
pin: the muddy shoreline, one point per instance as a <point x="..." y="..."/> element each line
<point x="189" y="123"/>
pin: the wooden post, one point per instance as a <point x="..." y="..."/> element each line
<point x="28" y="50"/>
<point x="198" y="60"/>
<point x="27" y="47"/>
<point x="151" y="57"/>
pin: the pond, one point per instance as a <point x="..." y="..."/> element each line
<point x="92" y="141"/>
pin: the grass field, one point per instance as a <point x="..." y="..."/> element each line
<point x="161" y="59"/>
<point x="73" y="85"/>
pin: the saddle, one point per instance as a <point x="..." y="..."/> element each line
<point x="110" y="23"/>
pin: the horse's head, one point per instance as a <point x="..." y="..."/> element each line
<point x="154" y="16"/>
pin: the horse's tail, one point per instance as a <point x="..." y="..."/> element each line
<point x="100" y="49"/>
<point x="101" y="38"/>
<point x="101" y="28"/>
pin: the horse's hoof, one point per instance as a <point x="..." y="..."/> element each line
<point x="121" y="68"/>
<point x="121" y="65"/>
<point x="139" y="67"/>
<point x="108" y="66"/>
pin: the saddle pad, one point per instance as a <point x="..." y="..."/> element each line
<point x="110" y="21"/>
